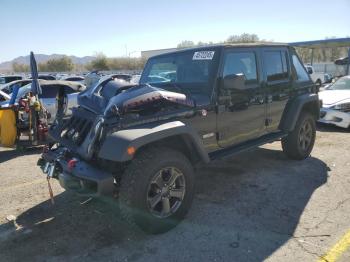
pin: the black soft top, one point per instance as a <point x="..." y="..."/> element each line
<point x="226" y="45"/>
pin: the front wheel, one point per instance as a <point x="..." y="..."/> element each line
<point x="157" y="189"/>
<point x="300" y="142"/>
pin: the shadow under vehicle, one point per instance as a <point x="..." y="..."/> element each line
<point x="142" y="142"/>
<point x="240" y="205"/>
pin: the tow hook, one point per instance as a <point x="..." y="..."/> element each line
<point x="50" y="190"/>
<point x="49" y="169"/>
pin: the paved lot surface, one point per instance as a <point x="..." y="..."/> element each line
<point x="256" y="206"/>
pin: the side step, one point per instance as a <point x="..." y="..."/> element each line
<point x="230" y="151"/>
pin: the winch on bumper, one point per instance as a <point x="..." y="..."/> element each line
<point x="75" y="174"/>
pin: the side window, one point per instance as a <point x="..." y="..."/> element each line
<point x="163" y="72"/>
<point x="301" y="73"/>
<point x="276" y="66"/>
<point x="49" y="91"/>
<point x="68" y="90"/>
<point x="241" y="63"/>
<point x="23" y="83"/>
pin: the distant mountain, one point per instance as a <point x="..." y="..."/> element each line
<point x="40" y="58"/>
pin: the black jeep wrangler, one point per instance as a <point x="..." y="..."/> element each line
<point x="140" y="143"/>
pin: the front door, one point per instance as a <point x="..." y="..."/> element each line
<point x="241" y="109"/>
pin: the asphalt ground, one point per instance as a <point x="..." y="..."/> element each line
<point x="256" y="206"/>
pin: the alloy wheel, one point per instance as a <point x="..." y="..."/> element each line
<point x="166" y="192"/>
<point x="305" y="136"/>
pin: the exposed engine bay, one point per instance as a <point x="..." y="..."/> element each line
<point x="118" y="97"/>
<point x="113" y="105"/>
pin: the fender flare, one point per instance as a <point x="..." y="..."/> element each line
<point x="115" y="145"/>
<point x="294" y="107"/>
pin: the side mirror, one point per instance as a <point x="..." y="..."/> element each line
<point x="234" y="81"/>
<point x="309" y="70"/>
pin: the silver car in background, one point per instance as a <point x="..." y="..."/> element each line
<point x="50" y="89"/>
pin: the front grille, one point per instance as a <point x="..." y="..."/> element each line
<point x="76" y="129"/>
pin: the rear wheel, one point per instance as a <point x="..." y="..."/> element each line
<point x="299" y="143"/>
<point x="157" y="189"/>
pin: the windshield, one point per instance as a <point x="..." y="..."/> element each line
<point x="341" y="84"/>
<point x="2" y="80"/>
<point x="190" y="71"/>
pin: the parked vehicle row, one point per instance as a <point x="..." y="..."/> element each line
<point x="9" y="79"/>
<point x="336" y="103"/>
<point x="50" y="89"/>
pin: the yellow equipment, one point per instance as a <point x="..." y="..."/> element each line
<point x="8" y="130"/>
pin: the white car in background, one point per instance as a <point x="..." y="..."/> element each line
<point x="7" y="88"/>
<point x="336" y="103"/>
<point x="50" y="89"/>
<point x="318" y="78"/>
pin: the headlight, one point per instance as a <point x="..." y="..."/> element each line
<point x="345" y="106"/>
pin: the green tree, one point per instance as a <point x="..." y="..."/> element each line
<point x="99" y="63"/>
<point x="186" y="44"/>
<point x="63" y="64"/>
<point x="243" y="38"/>
<point x="126" y="63"/>
<point x="20" y="68"/>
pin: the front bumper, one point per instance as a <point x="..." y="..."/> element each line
<point x="334" y="117"/>
<point x="82" y="177"/>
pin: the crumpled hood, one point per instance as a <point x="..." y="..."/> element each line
<point x="144" y="95"/>
<point x="332" y="97"/>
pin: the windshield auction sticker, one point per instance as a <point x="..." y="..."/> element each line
<point x="203" y="55"/>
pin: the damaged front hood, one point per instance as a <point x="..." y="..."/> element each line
<point x="145" y="95"/>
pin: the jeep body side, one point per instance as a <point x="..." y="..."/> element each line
<point x="192" y="106"/>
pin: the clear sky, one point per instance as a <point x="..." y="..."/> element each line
<point x="117" y="28"/>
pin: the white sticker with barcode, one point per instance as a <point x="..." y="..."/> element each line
<point x="203" y="55"/>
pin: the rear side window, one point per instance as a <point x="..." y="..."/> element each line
<point x="276" y="66"/>
<point x="301" y="73"/>
<point x="49" y="91"/>
<point x="74" y="79"/>
<point x="241" y="63"/>
<point x="68" y="90"/>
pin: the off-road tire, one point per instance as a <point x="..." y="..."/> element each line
<point x="291" y="144"/>
<point x="135" y="183"/>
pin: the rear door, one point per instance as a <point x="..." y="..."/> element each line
<point x="241" y="110"/>
<point x="277" y="84"/>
